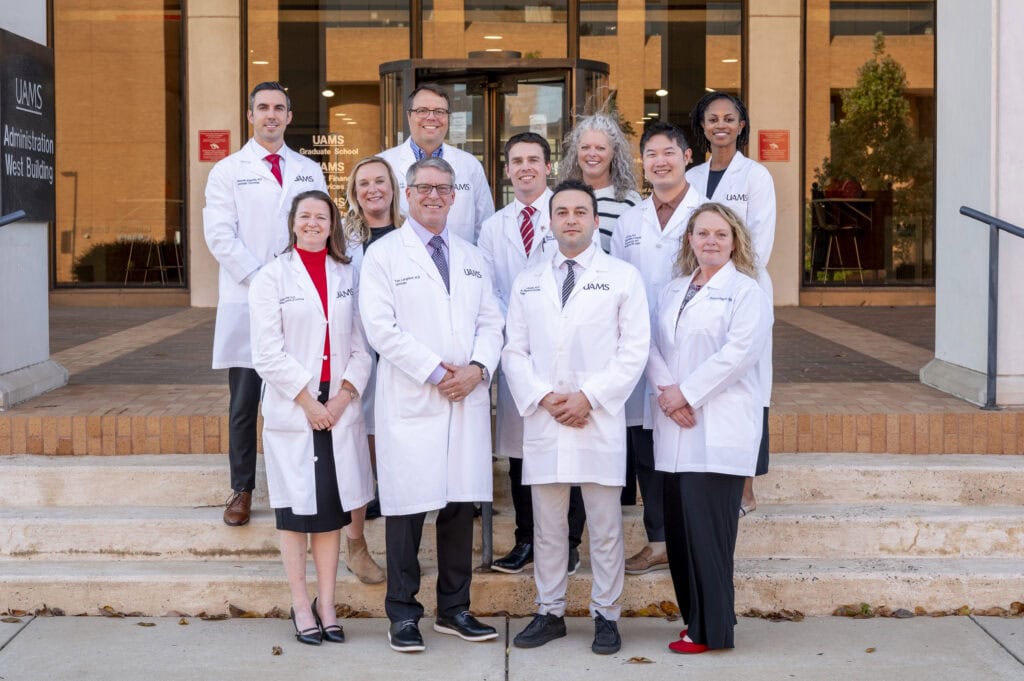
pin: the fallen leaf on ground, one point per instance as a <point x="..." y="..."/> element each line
<point x="108" y="611"/>
<point x="669" y="608"/>
<point x="10" y="620"/>
<point x="636" y="659"/>
<point x="276" y="650"/>
<point x="869" y="650"/>
<point x="902" y="614"/>
<point x="275" y="613"/>
<point x="18" y="613"/>
<point x="147" y="624"/>
<point x="1016" y="608"/>
<point x="183" y="621"/>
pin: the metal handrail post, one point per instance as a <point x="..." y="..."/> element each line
<point x="12" y="217"/>
<point x="993" y="317"/>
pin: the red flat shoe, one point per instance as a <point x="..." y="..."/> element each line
<point x="687" y="647"/>
<point x="683" y="633"/>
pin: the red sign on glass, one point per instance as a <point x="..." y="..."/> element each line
<point x="214" y="144"/>
<point x="773" y="145"/>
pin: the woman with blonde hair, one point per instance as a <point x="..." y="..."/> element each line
<point x="597" y="152"/>
<point x="709" y="329"/>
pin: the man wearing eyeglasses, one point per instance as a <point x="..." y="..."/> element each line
<point x="428" y="308"/>
<point x="428" y="109"/>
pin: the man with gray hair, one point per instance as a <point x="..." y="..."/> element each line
<point x="429" y="310"/>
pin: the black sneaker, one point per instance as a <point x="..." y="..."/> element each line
<point x="574" y="559"/>
<point x="465" y="626"/>
<point x="515" y="560"/>
<point x="606" y="636"/>
<point x="405" y="637"/>
<point x="542" y="629"/>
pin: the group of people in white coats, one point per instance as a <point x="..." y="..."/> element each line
<point x="374" y="343"/>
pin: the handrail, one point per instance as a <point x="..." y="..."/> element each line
<point x="994" y="227"/>
<point x="12" y="217"/>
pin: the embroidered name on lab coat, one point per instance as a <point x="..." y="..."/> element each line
<point x="529" y="289"/>
<point x="725" y="298"/>
<point x="631" y="240"/>
<point x="405" y="280"/>
<point x="248" y="180"/>
<point x="290" y="299"/>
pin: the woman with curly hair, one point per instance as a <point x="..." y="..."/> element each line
<point x="597" y="152"/>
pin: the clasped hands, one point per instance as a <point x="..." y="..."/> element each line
<point x="568" y="409"/>
<point x="324" y="416"/>
<point x="459" y="381"/>
<point x="674" y="405"/>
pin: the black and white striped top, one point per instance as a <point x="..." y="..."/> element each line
<point x="609" y="210"/>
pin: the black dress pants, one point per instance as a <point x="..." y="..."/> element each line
<point x="243" y="407"/>
<point x="701" y="524"/>
<point x="402" y="535"/>
<point x="640" y="445"/>
<point x="522" y="502"/>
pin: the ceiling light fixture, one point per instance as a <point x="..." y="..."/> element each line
<point x="661" y="92"/>
<point x="327" y="93"/>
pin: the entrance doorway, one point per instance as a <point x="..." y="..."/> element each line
<point x="493" y="99"/>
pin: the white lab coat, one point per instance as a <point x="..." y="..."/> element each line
<point x="710" y="350"/>
<point x="747" y="188"/>
<point x="246" y="225"/>
<point x="288" y="329"/>
<point x="473" y="201"/>
<point x="597" y="343"/>
<point x="501" y="243"/>
<point x="430" y="451"/>
<point x="639" y="240"/>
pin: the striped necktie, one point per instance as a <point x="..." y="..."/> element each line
<point x="437" y="255"/>
<point x="570" y="281"/>
<point x="526" y="227"/>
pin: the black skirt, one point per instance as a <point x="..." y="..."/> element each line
<point x="329" y="514"/>
<point x="762" y="453"/>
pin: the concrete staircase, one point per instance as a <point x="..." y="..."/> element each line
<point x="142" y="533"/>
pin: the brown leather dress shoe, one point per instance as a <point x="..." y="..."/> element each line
<point x="646" y="561"/>
<point x="238" y="506"/>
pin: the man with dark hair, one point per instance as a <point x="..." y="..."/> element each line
<point x="428" y="109"/>
<point x="248" y="196"/>
<point x="511" y="240"/>
<point x="578" y="338"/>
<point x="649" y="237"/>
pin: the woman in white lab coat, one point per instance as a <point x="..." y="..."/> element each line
<point x="309" y="349"/>
<point x="710" y="327"/>
<point x="373" y="212"/>
<point x="721" y="126"/>
<point x="597" y="152"/>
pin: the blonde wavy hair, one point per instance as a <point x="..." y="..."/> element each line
<point x="621" y="169"/>
<point x="742" y="257"/>
<point x="357" y="231"/>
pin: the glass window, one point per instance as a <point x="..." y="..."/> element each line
<point x="869" y="200"/>
<point x="454" y="28"/>
<point x="119" y="144"/>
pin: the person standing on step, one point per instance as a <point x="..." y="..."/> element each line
<point x="648" y="237"/>
<point x="721" y="126"/>
<point x="308" y="346"/>
<point x="515" y="237"/>
<point x="428" y="109"/>
<point x="578" y="340"/>
<point x="245" y="221"/>
<point x="429" y="310"/>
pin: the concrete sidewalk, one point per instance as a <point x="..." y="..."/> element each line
<point x="816" y="649"/>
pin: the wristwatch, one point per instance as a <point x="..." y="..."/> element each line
<point x="485" y="375"/>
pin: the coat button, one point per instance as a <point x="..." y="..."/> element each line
<point x="325" y="358"/>
<point x="315" y="459"/>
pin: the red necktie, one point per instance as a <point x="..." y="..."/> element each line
<point x="526" y="227"/>
<point x="275" y="167"/>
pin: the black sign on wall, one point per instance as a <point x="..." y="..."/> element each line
<point x="26" y="128"/>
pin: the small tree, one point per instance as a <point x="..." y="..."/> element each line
<point x="875" y="143"/>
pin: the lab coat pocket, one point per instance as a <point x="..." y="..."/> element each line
<point x="281" y="413"/>
<point x="729" y="421"/>
<point x="416" y="400"/>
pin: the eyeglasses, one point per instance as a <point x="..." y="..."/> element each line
<point x="423" y="112"/>
<point x="425" y="189"/>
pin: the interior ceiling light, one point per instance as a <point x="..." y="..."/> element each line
<point x="729" y="61"/>
<point x="327" y="93"/>
<point x="260" y="62"/>
<point x="661" y="92"/>
<point x="493" y="49"/>
<point x="709" y="89"/>
<point x="351" y="122"/>
<point x="492" y="37"/>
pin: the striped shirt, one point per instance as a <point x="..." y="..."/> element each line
<point x="609" y="210"/>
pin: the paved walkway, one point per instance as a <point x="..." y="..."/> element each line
<point x="846" y="379"/>
<point x="816" y="649"/>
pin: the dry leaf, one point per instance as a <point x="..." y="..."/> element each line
<point x="964" y="610"/>
<point x="669" y="608"/>
<point x="235" y="611"/>
<point x="276" y="650"/>
<point x="902" y="614"/>
<point x="18" y="613"/>
<point x="869" y="650"/>
<point x="639" y="660"/>
<point x="1016" y="609"/>
<point x="183" y="621"/>
<point x="11" y="620"/>
<point x="276" y="613"/>
<point x="212" y="618"/>
<point x="920" y="611"/>
<point x="147" y="624"/>
<point x="845" y="611"/>
<point x="108" y="611"/>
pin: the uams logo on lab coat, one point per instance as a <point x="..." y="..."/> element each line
<point x="594" y="286"/>
<point x="472" y="273"/>
<point x="303" y="178"/>
<point x="464" y="187"/>
<point x="346" y="293"/>
<point x="737" y="197"/>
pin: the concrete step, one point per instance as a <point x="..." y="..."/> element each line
<point x="814" y="587"/>
<point x="820" y="531"/>
<point x="201" y="479"/>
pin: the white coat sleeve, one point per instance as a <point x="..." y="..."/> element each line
<point x="490" y="327"/>
<point x="380" y="321"/>
<point x="611" y="387"/>
<point x="749" y="327"/>
<point x="357" y="370"/>
<point x="484" y="207"/>
<point x="488" y="242"/>
<point x="272" y="363"/>
<point x="657" y="371"/>
<point x="526" y="386"/>
<point x="761" y="214"/>
<point x="220" y="225"/>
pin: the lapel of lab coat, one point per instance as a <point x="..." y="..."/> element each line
<point x="417" y="252"/>
<point x="734" y="168"/>
<point x="303" y="279"/>
<point x="597" y="265"/>
<point x="288" y="173"/>
<point x="253" y="160"/>
<point x="541" y="227"/>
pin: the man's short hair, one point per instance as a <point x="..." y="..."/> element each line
<point x="429" y="162"/>
<point x="669" y="130"/>
<point x="573" y="185"/>
<point x="272" y="85"/>
<point x="428" y="87"/>
<point x="528" y="138"/>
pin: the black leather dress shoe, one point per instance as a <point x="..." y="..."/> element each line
<point x="574" y="560"/>
<point x="332" y="633"/>
<point x="542" y="629"/>
<point x="606" y="636"/>
<point x="405" y="637"/>
<point x="311" y="636"/>
<point x="515" y="560"/>
<point x="465" y="626"/>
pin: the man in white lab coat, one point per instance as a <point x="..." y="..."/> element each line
<point x="649" y="237"/>
<point x="515" y="237"/>
<point x="429" y="109"/>
<point x="248" y="196"/>
<point x="578" y="338"/>
<point x="429" y="309"/>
